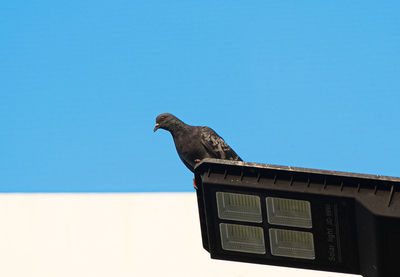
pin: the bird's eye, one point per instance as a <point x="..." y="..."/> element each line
<point x="162" y="118"/>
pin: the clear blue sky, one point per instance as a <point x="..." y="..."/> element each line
<point x="310" y="84"/>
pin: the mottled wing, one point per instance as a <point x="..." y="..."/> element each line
<point x="215" y="146"/>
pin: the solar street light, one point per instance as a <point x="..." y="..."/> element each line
<point x="298" y="217"/>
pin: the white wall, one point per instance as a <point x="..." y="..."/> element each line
<point x="113" y="235"/>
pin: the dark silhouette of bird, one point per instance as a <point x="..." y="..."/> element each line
<point x="194" y="143"/>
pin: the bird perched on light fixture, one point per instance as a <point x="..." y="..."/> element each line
<point x="194" y="143"/>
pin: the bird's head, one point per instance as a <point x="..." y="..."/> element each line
<point x="166" y="121"/>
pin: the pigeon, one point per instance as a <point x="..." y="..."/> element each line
<point x="194" y="143"/>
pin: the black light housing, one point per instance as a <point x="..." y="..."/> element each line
<point x="299" y="217"/>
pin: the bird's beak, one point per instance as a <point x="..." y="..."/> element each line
<point x="156" y="127"/>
